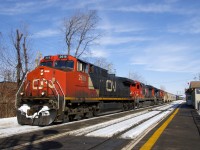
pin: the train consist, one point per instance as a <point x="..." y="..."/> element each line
<point x="64" y="88"/>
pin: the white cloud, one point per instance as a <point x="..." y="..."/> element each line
<point x="46" y="33"/>
<point x="167" y="58"/>
<point x="99" y="53"/>
<point x="114" y="40"/>
<point x="121" y="28"/>
<point x="191" y="26"/>
<point x="153" y="8"/>
<point x="167" y="6"/>
<point x="14" y="8"/>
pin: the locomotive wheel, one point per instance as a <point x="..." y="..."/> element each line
<point x="77" y="117"/>
<point x="131" y="106"/>
<point x="95" y="112"/>
<point x="89" y="114"/>
<point x="65" y="118"/>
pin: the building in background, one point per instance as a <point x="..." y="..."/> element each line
<point x="193" y="94"/>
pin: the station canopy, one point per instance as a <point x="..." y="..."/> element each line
<point x="193" y="85"/>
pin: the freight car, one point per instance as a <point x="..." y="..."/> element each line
<point x="64" y="88"/>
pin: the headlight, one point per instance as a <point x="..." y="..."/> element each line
<point x="22" y="93"/>
<point x="43" y="93"/>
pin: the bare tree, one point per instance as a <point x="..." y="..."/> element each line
<point x="103" y="63"/>
<point x="21" y="48"/>
<point x="6" y="64"/>
<point x="15" y="59"/>
<point x="17" y="45"/>
<point x="136" y="76"/>
<point x="13" y="67"/>
<point x="38" y="58"/>
<point x="25" y="55"/>
<point x="80" y="32"/>
<point x="197" y="77"/>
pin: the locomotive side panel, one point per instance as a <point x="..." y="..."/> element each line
<point x="109" y="85"/>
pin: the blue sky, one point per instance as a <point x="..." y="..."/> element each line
<point x="158" y="39"/>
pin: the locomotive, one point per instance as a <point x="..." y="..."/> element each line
<point x="64" y="88"/>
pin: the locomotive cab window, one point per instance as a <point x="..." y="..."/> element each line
<point x="47" y="63"/>
<point x="64" y="64"/>
<point x="83" y="67"/>
<point x="133" y="84"/>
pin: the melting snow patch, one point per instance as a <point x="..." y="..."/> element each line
<point x="119" y="127"/>
<point x="131" y="134"/>
<point x="92" y="128"/>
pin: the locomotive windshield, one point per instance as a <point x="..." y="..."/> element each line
<point x="64" y="64"/>
<point x="47" y="63"/>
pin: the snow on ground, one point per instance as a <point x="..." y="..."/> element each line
<point x="9" y="126"/>
<point x="92" y="128"/>
<point x="110" y="128"/>
<point x="119" y="127"/>
<point x="156" y="116"/>
<point x="147" y="124"/>
<point x="8" y="122"/>
<point x="144" y="126"/>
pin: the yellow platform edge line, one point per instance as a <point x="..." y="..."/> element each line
<point x="152" y="140"/>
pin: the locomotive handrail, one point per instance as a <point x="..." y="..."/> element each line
<point x="27" y="86"/>
<point x="59" y="94"/>
<point x="56" y="92"/>
<point x="20" y="89"/>
<point x="63" y="95"/>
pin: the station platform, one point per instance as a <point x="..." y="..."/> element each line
<point x="181" y="133"/>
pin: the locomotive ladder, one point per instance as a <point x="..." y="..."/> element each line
<point x="60" y="97"/>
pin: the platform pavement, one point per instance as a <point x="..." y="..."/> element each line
<point x="182" y="133"/>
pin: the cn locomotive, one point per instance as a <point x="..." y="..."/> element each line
<point x="64" y="88"/>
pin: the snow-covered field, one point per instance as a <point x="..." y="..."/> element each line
<point x="9" y="126"/>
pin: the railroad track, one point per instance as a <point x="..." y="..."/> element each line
<point x="124" y="130"/>
<point x="111" y="131"/>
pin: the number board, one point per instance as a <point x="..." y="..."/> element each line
<point x="47" y="57"/>
<point x="62" y="56"/>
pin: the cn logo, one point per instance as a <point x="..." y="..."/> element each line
<point x="40" y="84"/>
<point x="111" y="86"/>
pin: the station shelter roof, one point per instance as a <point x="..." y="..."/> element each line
<point x="193" y="85"/>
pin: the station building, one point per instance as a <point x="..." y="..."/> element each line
<point x="193" y="94"/>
